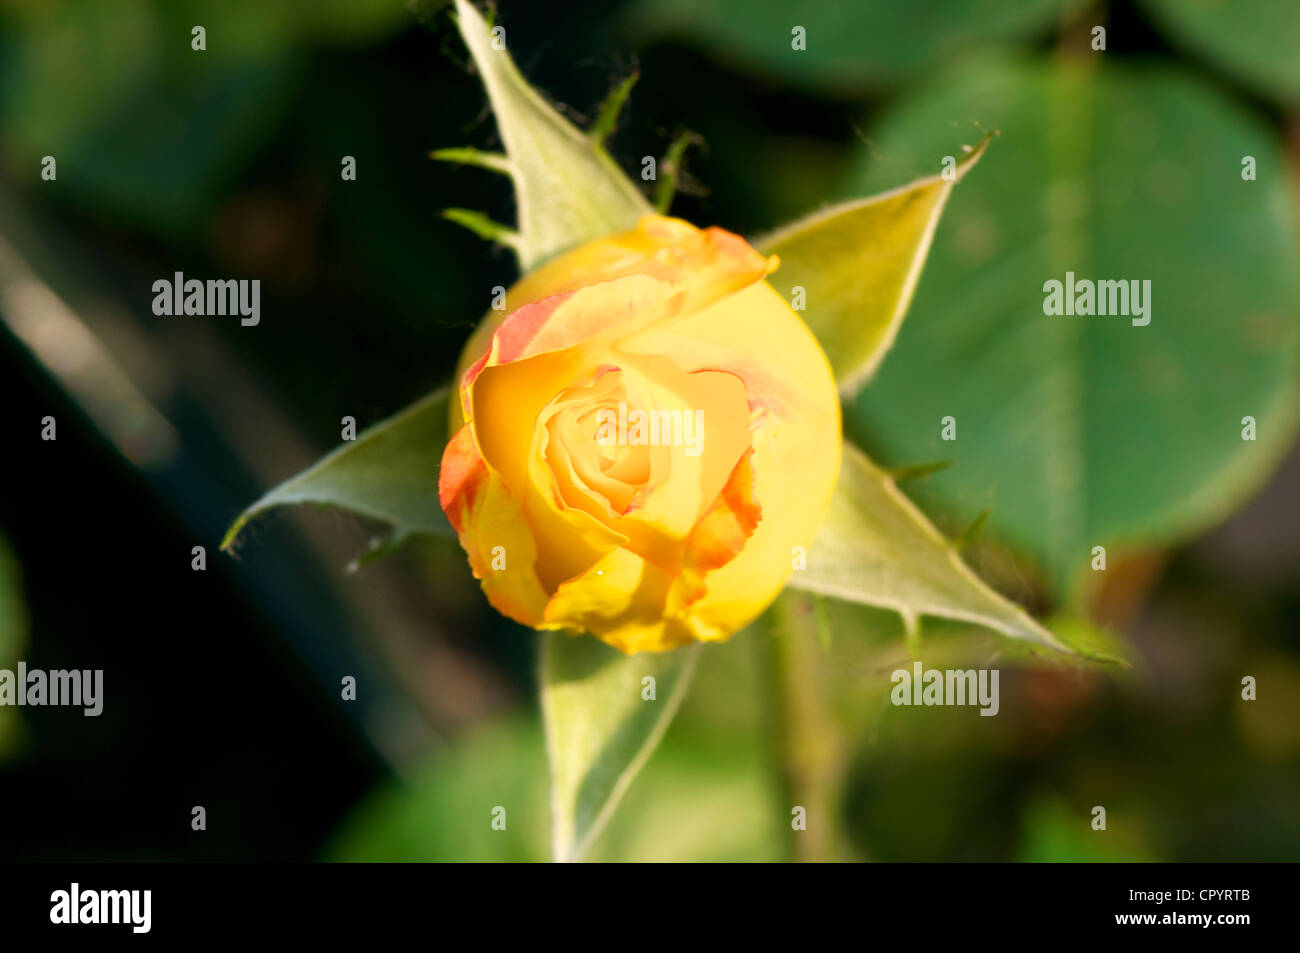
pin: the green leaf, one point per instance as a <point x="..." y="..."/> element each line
<point x="848" y="46"/>
<point x="1084" y="431"/>
<point x="599" y="729"/>
<point x="567" y="188"/>
<point x="876" y="548"/>
<point x="389" y="473"/>
<point x="1256" y="40"/>
<point x="859" y="264"/>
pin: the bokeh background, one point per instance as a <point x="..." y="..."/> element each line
<point x="223" y="687"/>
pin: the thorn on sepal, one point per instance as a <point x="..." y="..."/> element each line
<point x="610" y="109"/>
<point x="483" y="227"/>
<point x="466" y="155"/>
<point x="670" y="169"/>
<point x="971" y="533"/>
<point x="917" y="470"/>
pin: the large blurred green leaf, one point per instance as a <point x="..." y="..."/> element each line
<point x="875" y="547"/>
<point x="600" y="729"/>
<point x="859" y="263"/>
<point x="389" y="473"/>
<point x="567" y="188"/>
<point x="1085" y="431"/>
<point x="848" y="45"/>
<point x="1257" y="41"/>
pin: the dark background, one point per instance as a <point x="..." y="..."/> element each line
<point x="222" y="687"/>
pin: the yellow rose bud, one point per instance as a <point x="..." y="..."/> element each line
<point x="642" y="441"/>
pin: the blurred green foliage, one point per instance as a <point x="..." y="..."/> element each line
<point x="1073" y="431"/>
<point x="143" y="125"/>
<point x="13" y="637"/>
<point x="849" y="46"/>
<point x="706" y="795"/>
<point x="1253" y="40"/>
<point x="1180" y="780"/>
